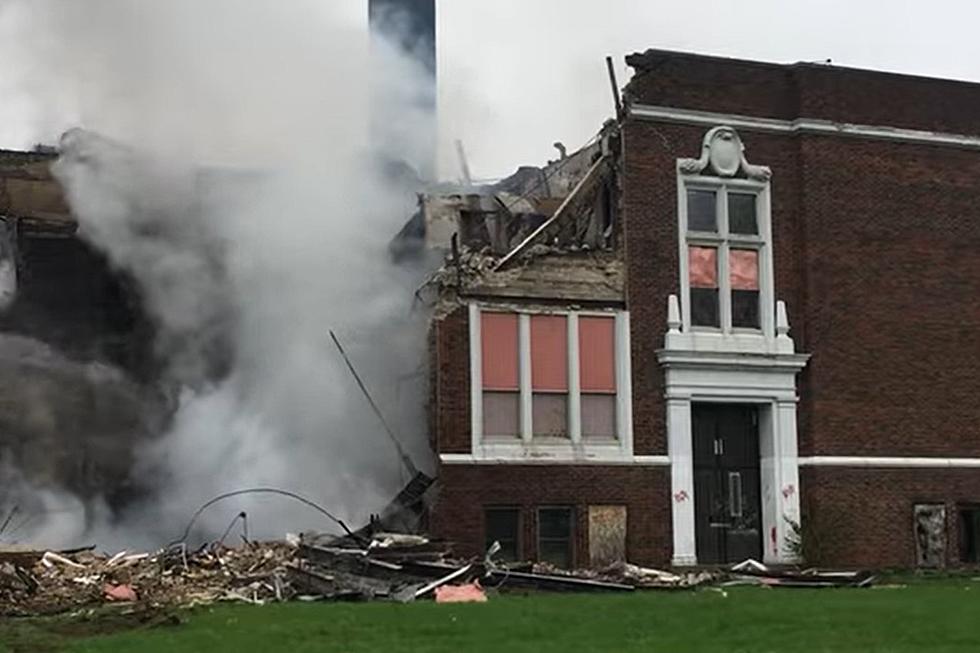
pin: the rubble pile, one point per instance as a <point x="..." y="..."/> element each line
<point x="49" y="582"/>
<point x="382" y="567"/>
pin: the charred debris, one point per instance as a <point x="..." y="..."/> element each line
<point x="548" y="231"/>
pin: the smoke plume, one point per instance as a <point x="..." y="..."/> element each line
<point x="223" y="165"/>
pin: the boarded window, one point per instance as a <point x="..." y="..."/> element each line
<point x="499" y="351"/>
<point x="502" y="524"/>
<point x="555" y="529"/>
<point x="703" y="275"/>
<point x="970" y="534"/>
<point x="742" y="214"/>
<point x="597" y="369"/>
<point x="701" y="211"/>
<point x="607" y="535"/>
<point x="744" y="277"/>
<point x="597" y="354"/>
<point x="549" y="375"/>
<point x="929" y="520"/>
<point x="500" y="362"/>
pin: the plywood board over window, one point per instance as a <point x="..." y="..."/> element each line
<point x="929" y="522"/>
<point x="607" y="535"/>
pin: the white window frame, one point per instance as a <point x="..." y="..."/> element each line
<point x="573" y="446"/>
<point x="726" y="241"/>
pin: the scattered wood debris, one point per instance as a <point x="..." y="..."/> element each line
<point x="386" y="567"/>
<point x="755" y="573"/>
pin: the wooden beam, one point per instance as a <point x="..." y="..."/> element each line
<point x="559" y="213"/>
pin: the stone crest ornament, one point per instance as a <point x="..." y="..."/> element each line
<point x="723" y="151"/>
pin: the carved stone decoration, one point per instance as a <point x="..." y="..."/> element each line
<point x="722" y="150"/>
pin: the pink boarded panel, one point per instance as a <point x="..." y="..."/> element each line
<point x="744" y="269"/>
<point x="549" y="353"/>
<point x="703" y="266"/>
<point x="597" y="353"/>
<point x="499" y="339"/>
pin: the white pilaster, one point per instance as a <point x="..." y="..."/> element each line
<point x="681" y="453"/>
<point x="524" y="354"/>
<point x="476" y="379"/>
<point x="789" y="476"/>
<point x="574" y="382"/>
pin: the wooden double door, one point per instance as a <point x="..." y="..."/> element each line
<point x="727" y="501"/>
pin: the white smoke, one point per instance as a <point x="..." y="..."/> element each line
<point x="234" y="183"/>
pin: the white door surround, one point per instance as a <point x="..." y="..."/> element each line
<point x="765" y="379"/>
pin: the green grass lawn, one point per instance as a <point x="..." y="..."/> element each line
<point x="934" y="616"/>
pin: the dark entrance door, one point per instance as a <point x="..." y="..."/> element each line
<point x="727" y="503"/>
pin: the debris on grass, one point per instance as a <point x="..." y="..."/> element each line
<point x="468" y="593"/>
<point x="381" y="567"/>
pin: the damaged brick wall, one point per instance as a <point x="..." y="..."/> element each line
<point x="451" y="425"/>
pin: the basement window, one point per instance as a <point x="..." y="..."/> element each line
<point x="502" y="524"/>
<point x="970" y="534"/>
<point x="555" y="541"/>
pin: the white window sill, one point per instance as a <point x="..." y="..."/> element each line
<point x="544" y="449"/>
<point x="743" y="341"/>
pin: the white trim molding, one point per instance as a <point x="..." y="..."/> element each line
<point x="804" y="126"/>
<point x="470" y="459"/>
<point x="767" y="380"/>
<point x="890" y="461"/>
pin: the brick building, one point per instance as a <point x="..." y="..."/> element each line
<point x="773" y="339"/>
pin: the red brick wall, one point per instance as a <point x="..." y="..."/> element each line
<point x="804" y="90"/>
<point x="864" y="516"/>
<point x="450" y="351"/>
<point x="650" y="223"/>
<point x="466" y="489"/>
<point x="874" y="256"/>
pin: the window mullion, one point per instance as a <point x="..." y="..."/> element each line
<point x="524" y="347"/>
<point x="724" y="282"/>
<point x="574" y="382"/>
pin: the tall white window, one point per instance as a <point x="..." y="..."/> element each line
<point x="725" y="241"/>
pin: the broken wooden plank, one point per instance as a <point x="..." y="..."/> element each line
<point x="552" y="582"/>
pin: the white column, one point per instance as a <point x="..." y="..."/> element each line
<point x="476" y="379"/>
<point x="681" y="480"/>
<point x="780" y="479"/>
<point x="769" y="480"/>
<point x="789" y="476"/>
<point x="524" y="353"/>
<point x="624" y="383"/>
<point x="574" y="382"/>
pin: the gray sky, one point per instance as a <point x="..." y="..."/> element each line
<point x="517" y="75"/>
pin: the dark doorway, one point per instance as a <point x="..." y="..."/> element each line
<point x="727" y="503"/>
